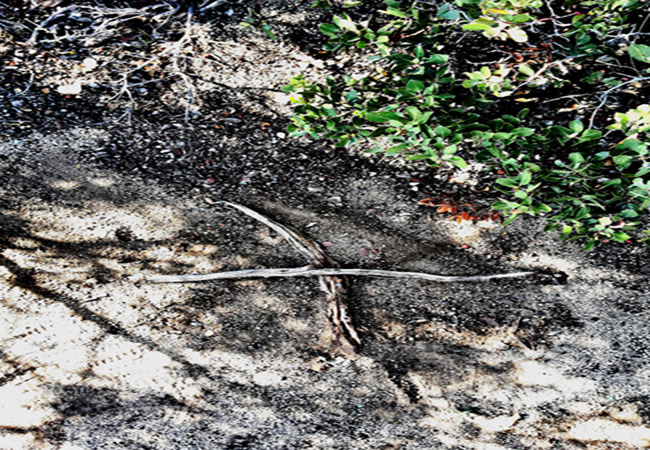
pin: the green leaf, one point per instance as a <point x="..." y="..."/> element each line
<point x="622" y="160"/>
<point x="441" y="131"/>
<point x="458" y="162"/>
<point x="591" y="243"/>
<point x="418" y="52"/>
<point x="629" y="213"/>
<point x="343" y="142"/>
<point x="413" y="112"/>
<point x="415" y="85"/>
<point x="576" y="158"/>
<point x="614" y="182"/>
<point x="502" y="136"/>
<point x="328" y="29"/>
<point x="510" y="219"/>
<point x="621" y="236"/>
<point x="352" y="95"/>
<point x="447" y="13"/>
<point x="450" y="150"/>
<point x="592" y="134"/>
<point x="345" y="23"/>
<point x="521" y="18"/>
<point x="396" y="12"/>
<point x="542" y="208"/>
<point x="526" y="70"/>
<point x="632" y="144"/>
<point x="640" y="52"/>
<point x="532" y="167"/>
<point x="507" y="182"/>
<point x="522" y="132"/>
<point x="526" y="177"/>
<point x="383" y="116"/>
<point x="523" y="113"/>
<point x="476" y="27"/>
<point x="418" y="157"/>
<point x="425" y="117"/>
<point x="396" y="149"/>
<point x="576" y="126"/>
<point x="438" y="59"/>
<point x="582" y="213"/>
<point x="582" y="38"/>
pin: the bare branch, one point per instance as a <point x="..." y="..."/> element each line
<point x="308" y="271"/>
<point x="603" y="97"/>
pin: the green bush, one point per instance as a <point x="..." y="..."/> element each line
<point x="414" y="103"/>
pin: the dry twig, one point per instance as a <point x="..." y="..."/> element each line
<point x="309" y="271"/>
<point x="603" y="97"/>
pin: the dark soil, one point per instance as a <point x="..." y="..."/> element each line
<point x="101" y="190"/>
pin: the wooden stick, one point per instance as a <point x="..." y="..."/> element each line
<point x="309" y="271"/>
<point x="295" y="239"/>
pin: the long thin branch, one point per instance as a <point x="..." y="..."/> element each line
<point x="603" y="97"/>
<point x="309" y="271"/>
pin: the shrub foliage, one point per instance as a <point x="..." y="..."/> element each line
<point x="587" y="175"/>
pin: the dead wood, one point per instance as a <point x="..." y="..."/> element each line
<point x="342" y="336"/>
<point x="309" y="271"/>
<point x="343" y="333"/>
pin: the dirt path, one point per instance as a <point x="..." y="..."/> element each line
<point x="92" y="357"/>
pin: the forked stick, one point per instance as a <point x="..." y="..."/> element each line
<point x="344" y="335"/>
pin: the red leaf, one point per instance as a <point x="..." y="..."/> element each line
<point x="458" y="218"/>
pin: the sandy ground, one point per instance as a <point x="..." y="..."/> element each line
<point x="94" y="357"/>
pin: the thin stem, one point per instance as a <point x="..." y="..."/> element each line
<point x="606" y="94"/>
